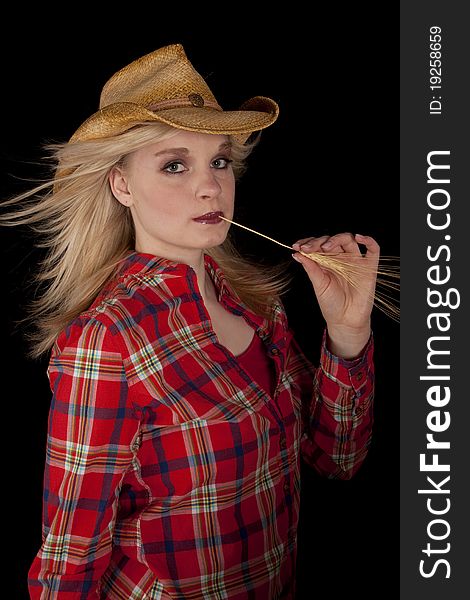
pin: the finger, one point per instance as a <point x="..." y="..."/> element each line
<point x="372" y="247"/>
<point x="344" y="242"/>
<point x="310" y="244"/>
<point x="313" y="270"/>
<point x="372" y="254"/>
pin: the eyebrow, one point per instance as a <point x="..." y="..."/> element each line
<point x="223" y="146"/>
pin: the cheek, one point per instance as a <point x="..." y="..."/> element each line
<point x="228" y="185"/>
<point x="156" y="196"/>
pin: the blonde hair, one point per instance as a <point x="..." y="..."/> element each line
<point x="87" y="233"/>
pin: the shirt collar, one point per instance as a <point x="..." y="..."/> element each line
<point x="140" y="263"/>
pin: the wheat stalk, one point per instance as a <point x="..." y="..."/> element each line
<point x="351" y="267"/>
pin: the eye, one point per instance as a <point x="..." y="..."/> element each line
<point x="174" y="167"/>
<point x="221" y="163"/>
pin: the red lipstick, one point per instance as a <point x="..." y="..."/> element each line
<point x="210" y="218"/>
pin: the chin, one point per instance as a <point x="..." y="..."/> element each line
<point x="214" y="241"/>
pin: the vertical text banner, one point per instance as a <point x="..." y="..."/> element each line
<point x="435" y="316"/>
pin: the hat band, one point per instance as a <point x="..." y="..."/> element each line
<point x="192" y="101"/>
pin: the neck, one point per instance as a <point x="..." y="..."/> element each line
<point x="206" y="287"/>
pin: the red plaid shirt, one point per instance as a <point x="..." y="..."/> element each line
<point x="170" y="473"/>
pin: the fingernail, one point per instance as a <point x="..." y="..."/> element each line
<point x="296" y="257"/>
<point x="359" y="236"/>
<point x="326" y="245"/>
<point x="296" y="246"/>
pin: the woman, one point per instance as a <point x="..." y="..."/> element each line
<point x="181" y="403"/>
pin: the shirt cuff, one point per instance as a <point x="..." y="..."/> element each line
<point x="347" y="373"/>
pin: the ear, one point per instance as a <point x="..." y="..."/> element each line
<point x="119" y="185"/>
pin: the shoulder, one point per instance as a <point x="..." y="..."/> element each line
<point x="86" y="335"/>
<point x="138" y="297"/>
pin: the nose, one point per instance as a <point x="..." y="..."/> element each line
<point x="208" y="185"/>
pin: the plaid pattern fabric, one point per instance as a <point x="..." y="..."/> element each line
<point x="169" y="472"/>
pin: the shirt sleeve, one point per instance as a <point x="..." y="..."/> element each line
<point x="90" y="435"/>
<point x="337" y="417"/>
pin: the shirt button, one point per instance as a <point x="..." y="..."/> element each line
<point x="360" y="375"/>
<point x="283" y="443"/>
<point x="274" y="351"/>
<point x="286" y="487"/>
<point x="136" y="444"/>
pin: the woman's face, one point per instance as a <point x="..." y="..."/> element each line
<point x="172" y="187"/>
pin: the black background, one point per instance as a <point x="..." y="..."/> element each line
<point x="329" y="164"/>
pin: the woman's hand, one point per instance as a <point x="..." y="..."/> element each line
<point x="346" y="308"/>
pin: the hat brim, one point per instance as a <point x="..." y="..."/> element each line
<point x="255" y="114"/>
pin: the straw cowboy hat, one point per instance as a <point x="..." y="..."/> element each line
<point x="164" y="87"/>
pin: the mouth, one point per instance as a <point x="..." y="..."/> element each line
<point x="210" y="218"/>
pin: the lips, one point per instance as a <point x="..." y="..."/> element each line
<point x="210" y="218"/>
